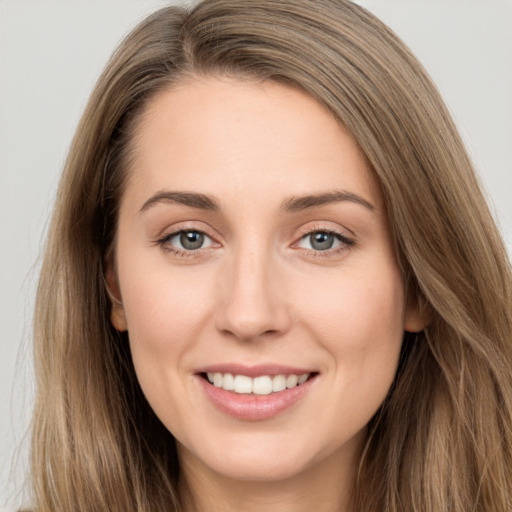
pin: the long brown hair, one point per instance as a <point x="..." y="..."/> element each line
<point x="443" y="438"/>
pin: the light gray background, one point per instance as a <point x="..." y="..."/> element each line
<point x="51" y="52"/>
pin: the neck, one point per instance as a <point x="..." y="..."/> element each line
<point x="326" y="487"/>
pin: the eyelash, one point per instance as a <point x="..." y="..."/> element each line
<point x="345" y="242"/>
<point x="181" y="253"/>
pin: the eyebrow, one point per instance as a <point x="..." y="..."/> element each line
<point x="192" y="199"/>
<point x="293" y="204"/>
<point x="306" y="202"/>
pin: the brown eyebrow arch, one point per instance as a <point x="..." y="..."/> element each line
<point x="295" y="204"/>
<point x="192" y="199"/>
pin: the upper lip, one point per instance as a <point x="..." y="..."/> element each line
<point x="254" y="370"/>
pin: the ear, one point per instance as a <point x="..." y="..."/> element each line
<point x="117" y="315"/>
<point x="418" y="313"/>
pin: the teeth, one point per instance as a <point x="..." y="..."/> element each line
<point x="228" y="382"/>
<point x="262" y="385"/>
<point x="303" y="378"/>
<point x="217" y="380"/>
<point x="278" y="383"/>
<point x="242" y="384"/>
<point x="291" y="381"/>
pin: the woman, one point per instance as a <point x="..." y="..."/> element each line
<point x="271" y="280"/>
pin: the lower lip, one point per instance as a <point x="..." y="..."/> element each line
<point x="254" y="407"/>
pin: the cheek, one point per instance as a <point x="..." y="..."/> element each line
<point x="359" y="308"/>
<point x="160" y="299"/>
<point x="165" y="311"/>
<point x="359" y="322"/>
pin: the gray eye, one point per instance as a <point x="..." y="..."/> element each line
<point x="191" y="240"/>
<point x="321" y="241"/>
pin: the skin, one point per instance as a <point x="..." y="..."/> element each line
<point x="258" y="291"/>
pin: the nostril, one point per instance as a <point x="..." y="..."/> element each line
<point x="252" y="306"/>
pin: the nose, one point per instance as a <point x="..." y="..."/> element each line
<point x="253" y="301"/>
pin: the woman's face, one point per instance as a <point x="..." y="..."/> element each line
<point x="253" y="250"/>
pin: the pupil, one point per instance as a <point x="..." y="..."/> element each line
<point x="191" y="240"/>
<point x="322" y="241"/>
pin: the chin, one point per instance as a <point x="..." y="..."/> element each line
<point x="255" y="459"/>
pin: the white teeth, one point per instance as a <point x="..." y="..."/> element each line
<point x="279" y="383"/>
<point x="217" y="380"/>
<point x="303" y="378"/>
<point x="229" y="382"/>
<point x="262" y="385"/>
<point x="243" y="384"/>
<point x="291" y="381"/>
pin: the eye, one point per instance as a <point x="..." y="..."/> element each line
<point x="187" y="240"/>
<point x="323" y="241"/>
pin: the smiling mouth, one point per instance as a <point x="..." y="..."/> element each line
<point x="261" y="385"/>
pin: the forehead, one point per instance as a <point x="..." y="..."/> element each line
<point x="221" y="135"/>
